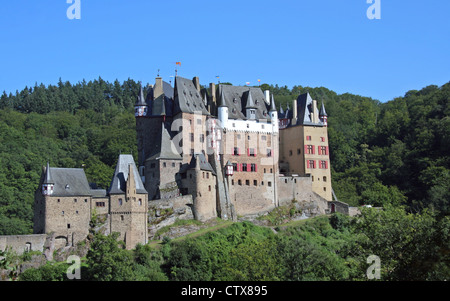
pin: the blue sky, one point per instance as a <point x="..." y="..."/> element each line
<point x="313" y="43"/>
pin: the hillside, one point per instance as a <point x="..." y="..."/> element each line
<point x="381" y="153"/>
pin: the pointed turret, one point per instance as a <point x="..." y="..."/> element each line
<point x="250" y="103"/>
<point x="250" y="107"/>
<point x="48" y="184"/>
<point x="222" y="110"/>
<point x="140" y="108"/>
<point x="323" y="115"/>
<point x="272" y="104"/>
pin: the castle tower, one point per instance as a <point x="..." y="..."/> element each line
<point x="304" y="146"/>
<point x="128" y="203"/>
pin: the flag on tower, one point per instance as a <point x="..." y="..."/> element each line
<point x="247" y="83"/>
<point x="178" y="63"/>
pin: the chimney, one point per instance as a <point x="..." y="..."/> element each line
<point x="213" y="99"/>
<point x="294" y="112"/>
<point x="158" y="88"/>
<point x="315" y="112"/>
<point x="196" y="81"/>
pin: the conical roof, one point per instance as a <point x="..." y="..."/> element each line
<point x="322" y="110"/>
<point x="250" y="103"/>
<point x="48" y="177"/>
<point x="141" y="98"/>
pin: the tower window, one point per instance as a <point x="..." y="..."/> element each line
<point x="308" y="138"/>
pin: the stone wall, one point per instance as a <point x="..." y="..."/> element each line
<point x="22" y="243"/>
<point x="299" y="189"/>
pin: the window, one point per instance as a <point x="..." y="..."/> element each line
<point x="120" y="202"/>
<point x="255" y="182"/>
<point x="85" y="200"/>
<point x="324" y="179"/>
<point x="239" y="136"/>
<point x="240" y="182"/>
<point x="121" y="218"/>
<point x="236" y="151"/>
<point x="207" y="175"/>
<point x="68" y="226"/>
<point x="59" y="200"/>
<point x="100" y="204"/>
<point x="309" y="149"/>
<point x="311" y="164"/>
<point x="235" y="167"/>
<point x="290" y="153"/>
<point x="192" y="151"/>
<point x="140" y="202"/>
<point x="323" y="150"/>
<point x="324" y="189"/>
<point x="299" y="151"/>
<point x="75" y="200"/>
<point x="324" y="164"/>
<point x="253" y="167"/>
<point x="322" y="139"/>
<point x="269" y="184"/>
<point x="203" y="175"/>
<point x="209" y="188"/>
<point x="62" y="213"/>
<point x="269" y="152"/>
<point x="263" y="138"/>
<point x="164" y="164"/>
<point x="308" y="138"/>
<point x="76" y="212"/>
<point x="251" y="152"/>
<point x="199" y="121"/>
<point x="262" y="126"/>
<point x="262" y="183"/>
<point x="248" y="137"/>
<point x="244" y="167"/>
<point x="192" y="137"/>
<point x="247" y="182"/>
<point x="202" y="138"/>
<point x="232" y="182"/>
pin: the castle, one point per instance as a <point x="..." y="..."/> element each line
<point x="227" y="147"/>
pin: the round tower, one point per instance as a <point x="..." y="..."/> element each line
<point x="222" y="112"/>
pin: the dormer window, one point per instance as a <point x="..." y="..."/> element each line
<point x="67" y="187"/>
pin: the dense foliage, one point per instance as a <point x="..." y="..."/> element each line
<point x="85" y="125"/>
<point x="409" y="247"/>
<point x="384" y="154"/>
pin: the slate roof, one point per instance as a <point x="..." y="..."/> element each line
<point x="118" y="182"/>
<point x="322" y="110"/>
<point x="236" y="99"/>
<point x="304" y="110"/>
<point x="69" y="182"/>
<point x="48" y="178"/>
<point x="187" y="98"/>
<point x="204" y="165"/>
<point x="165" y="147"/>
<point x="162" y="105"/>
<point x="141" y="99"/>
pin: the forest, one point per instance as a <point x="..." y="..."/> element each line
<point x="392" y="155"/>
